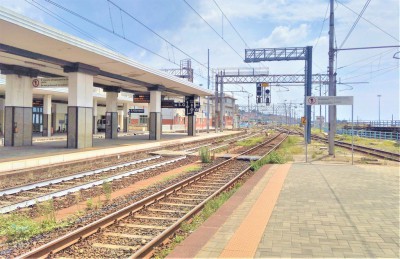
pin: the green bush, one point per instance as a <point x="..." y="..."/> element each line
<point x="47" y="211"/>
<point x="272" y="158"/>
<point x="107" y="189"/>
<point x="250" y="142"/>
<point x="205" y="155"/>
<point x="19" y="227"/>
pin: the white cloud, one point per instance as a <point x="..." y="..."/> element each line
<point x="284" y="36"/>
<point x="271" y="23"/>
<point x="23" y="7"/>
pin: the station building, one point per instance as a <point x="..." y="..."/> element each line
<point x="99" y="85"/>
<point x="173" y="120"/>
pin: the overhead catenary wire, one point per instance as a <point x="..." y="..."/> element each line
<point x="359" y="68"/>
<point x="122" y="23"/>
<point x="376" y="26"/>
<point x="109" y="12"/>
<point x="355" y="23"/>
<point x="201" y="17"/>
<point x="361" y="60"/>
<point x="374" y="71"/>
<point x="171" y="44"/>
<point x="322" y="26"/>
<point x="240" y="36"/>
<point x="233" y="27"/>
<point x="62" y="20"/>
<point x="115" y="33"/>
<point x="154" y="32"/>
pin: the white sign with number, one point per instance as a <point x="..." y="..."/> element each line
<point x="329" y="100"/>
<point x="50" y="82"/>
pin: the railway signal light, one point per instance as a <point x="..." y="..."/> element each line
<point x="259" y="92"/>
<point x="263" y="93"/>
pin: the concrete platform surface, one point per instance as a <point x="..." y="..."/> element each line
<point x="51" y="152"/>
<point x="305" y="210"/>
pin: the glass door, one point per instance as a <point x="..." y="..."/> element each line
<point x="37" y="119"/>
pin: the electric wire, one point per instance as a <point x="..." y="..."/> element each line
<point x="122" y="23"/>
<point x="355" y="23"/>
<point x="374" y="71"/>
<point x="376" y="26"/>
<point x="109" y="12"/>
<point x="115" y="33"/>
<point x="201" y="17"/>
<point x="240" y="36"/>
<point x="361" y="67"/>
<point x="361" y="60"/>
<point x="154" y="32"/>
<point x="322" y="27"/>
<point x="172" y="45"/>
<point x="233" y="27"/>
<point x="62" y="20"/>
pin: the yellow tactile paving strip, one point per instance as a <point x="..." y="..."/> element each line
<point x="245" y="240"/>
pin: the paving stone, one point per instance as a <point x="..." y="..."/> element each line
<point x="343" y="210"/>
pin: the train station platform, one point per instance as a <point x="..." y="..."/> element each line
<point x="47" y="151"/>
<point x="305" y="210"/>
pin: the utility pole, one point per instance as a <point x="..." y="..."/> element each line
<point x="320" y="107"/>
<point x="248" y="103"/>
<point x="208" y="87"/>
<point x="332" y="82"/>
<point x="379" y="109"/>
<point x="222" y="104"/>
<point x="216" y="103"/>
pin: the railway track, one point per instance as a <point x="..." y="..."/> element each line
<point x="137" y="229"/>
<point x="27" y="176"/>
<point x="29" y="195"/>
<point x="362" y="149"/>
<point x="365" y="150"/>
<point x="24" y="196"/>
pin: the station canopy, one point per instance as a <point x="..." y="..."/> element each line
<point x="26" y="43"/>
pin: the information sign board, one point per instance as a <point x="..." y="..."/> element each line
<point x="50" y="82"/>
<point x="329" y="100"/>
<point x="189" y="106"/>
<point x="141" y="98"/>
<point x="167" y="104"/>
<point x="179" y="105"/>
<point x="136" y="110"/>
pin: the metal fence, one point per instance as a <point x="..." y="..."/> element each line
<point x="371" y="134"/>
<point x="381" y="123"/>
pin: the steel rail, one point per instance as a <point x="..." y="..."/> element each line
<point x="145" y="250"/>
<point x="366" y="150"/>
<point x="30" y="202"/>
<point x="362" y="149"/>
<point x="73" y="237"/>
<point x="71" y="177"/>
<point x="45" y="197"/>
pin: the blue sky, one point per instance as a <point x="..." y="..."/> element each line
<point x="272" y="23"/>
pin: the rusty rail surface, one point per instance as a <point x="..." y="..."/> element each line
<point x="362" y="149"/>
<point x="75" y="236"/>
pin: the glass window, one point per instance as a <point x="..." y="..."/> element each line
<point x="143" y="119"/>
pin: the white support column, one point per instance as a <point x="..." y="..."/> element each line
<point x="94" y="116"/>
<point x="80" y="110"/>
<point x="155" y="115"/>
<point x="111" y="114"/>
<point x="126" y="117"/>
<point x="18" y="110"/>
<point x="47" y="129"/>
